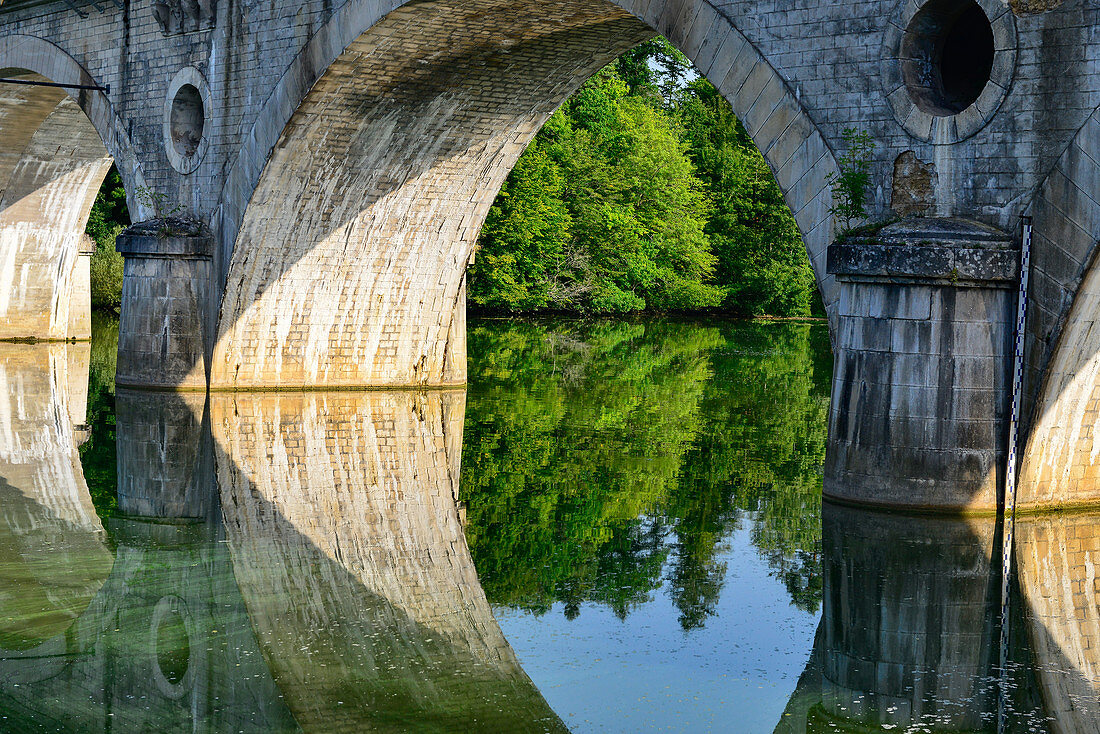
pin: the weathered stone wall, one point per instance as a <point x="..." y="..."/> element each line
<point x="920" y="396"/>
<point x="833" y="63"/>
<point x="166" y="305"/>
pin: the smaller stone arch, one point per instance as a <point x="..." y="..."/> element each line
<point x="55" y="149"/>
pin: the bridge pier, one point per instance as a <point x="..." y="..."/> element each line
<point x="922" y="347"/>
<point x="166" y="305"/>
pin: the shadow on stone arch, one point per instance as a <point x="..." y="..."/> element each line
<point x="382" y="150"/>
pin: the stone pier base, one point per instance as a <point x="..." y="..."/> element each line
<point x="165" y="305"/>
<point x="922" y="361"/>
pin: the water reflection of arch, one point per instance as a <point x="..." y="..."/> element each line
<point x="53" y="553"/>
<point x="52" y="544"/>
<point x="341" y="514"/>
<point x="1057" y="558"/>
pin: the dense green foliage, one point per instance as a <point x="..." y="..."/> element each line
<point x="603" y="460"/>
<point x="108" y="217"/>
<point x="643" y="191"/>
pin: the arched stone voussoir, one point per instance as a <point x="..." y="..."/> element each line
<point x="56" y="146"/>
<point x="1059" y="465"/>
<point x="355" y="204"/>
<point x="39" y="56"/>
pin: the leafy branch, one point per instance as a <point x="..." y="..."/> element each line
<point x="851" y="182"/>
<point x="161" y="204"/>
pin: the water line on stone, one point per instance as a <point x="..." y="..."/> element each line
<point x="1010" y="469"/>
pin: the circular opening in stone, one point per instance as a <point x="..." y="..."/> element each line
<point x="187" y="120"/>
<point x="947" y="56"/>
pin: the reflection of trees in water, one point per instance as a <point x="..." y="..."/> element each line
<point x="603" y="458"/>
<point x="97" y="454"/>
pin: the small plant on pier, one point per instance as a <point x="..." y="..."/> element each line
<point x="163" y="209"/>
<point x="850" y="183"/>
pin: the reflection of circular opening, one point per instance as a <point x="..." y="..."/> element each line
<point x="947" y="56"/>
<point x="173" y="648"/>
<point x="187" y="120"/>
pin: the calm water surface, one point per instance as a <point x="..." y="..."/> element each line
<point x="617" y="527"/>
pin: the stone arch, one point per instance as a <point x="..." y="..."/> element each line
<point x="1062" y="381"/>
<point x="354" y="206"/>
<point x="56" y="147"/>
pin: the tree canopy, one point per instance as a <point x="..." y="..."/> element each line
<point x="642" y="192"/>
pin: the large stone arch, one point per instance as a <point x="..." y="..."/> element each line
<point x="355" y="203"/>
<point x="56" y="146"/>
<point x="1062" y="383"/>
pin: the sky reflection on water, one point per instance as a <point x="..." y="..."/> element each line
<point x="618" y="527"/>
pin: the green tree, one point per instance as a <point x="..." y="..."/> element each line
<point x="850" y="182"/>
<point x="761" y="258"/>
<point x="602" y="214"/>
<point x="108" y="217"/>
<point x="643" y="192"/>
<point x="526" y="237"/>
<point x="655" y="69"/>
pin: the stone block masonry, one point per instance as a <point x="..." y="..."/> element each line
<point x="344" y="155"/>
<point x="920" y="390"/>
<point x="165" y="302"/>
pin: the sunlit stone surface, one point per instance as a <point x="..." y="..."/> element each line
<point x="1060" y="583"/>
<point x="340" y="510"/>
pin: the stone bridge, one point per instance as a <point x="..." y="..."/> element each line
<point x="341" y="157"/>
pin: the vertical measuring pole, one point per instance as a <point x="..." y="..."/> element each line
<point x="1010" y="469"/>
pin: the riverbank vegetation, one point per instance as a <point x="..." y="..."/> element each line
<point x="108" y="217"/>
<point x="643" y="192"/>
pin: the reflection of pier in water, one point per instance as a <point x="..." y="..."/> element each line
<point x="909" y="632"/>
<point x="337" y="594"/>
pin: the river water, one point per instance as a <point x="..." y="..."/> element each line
<point x="618" y="526"/>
